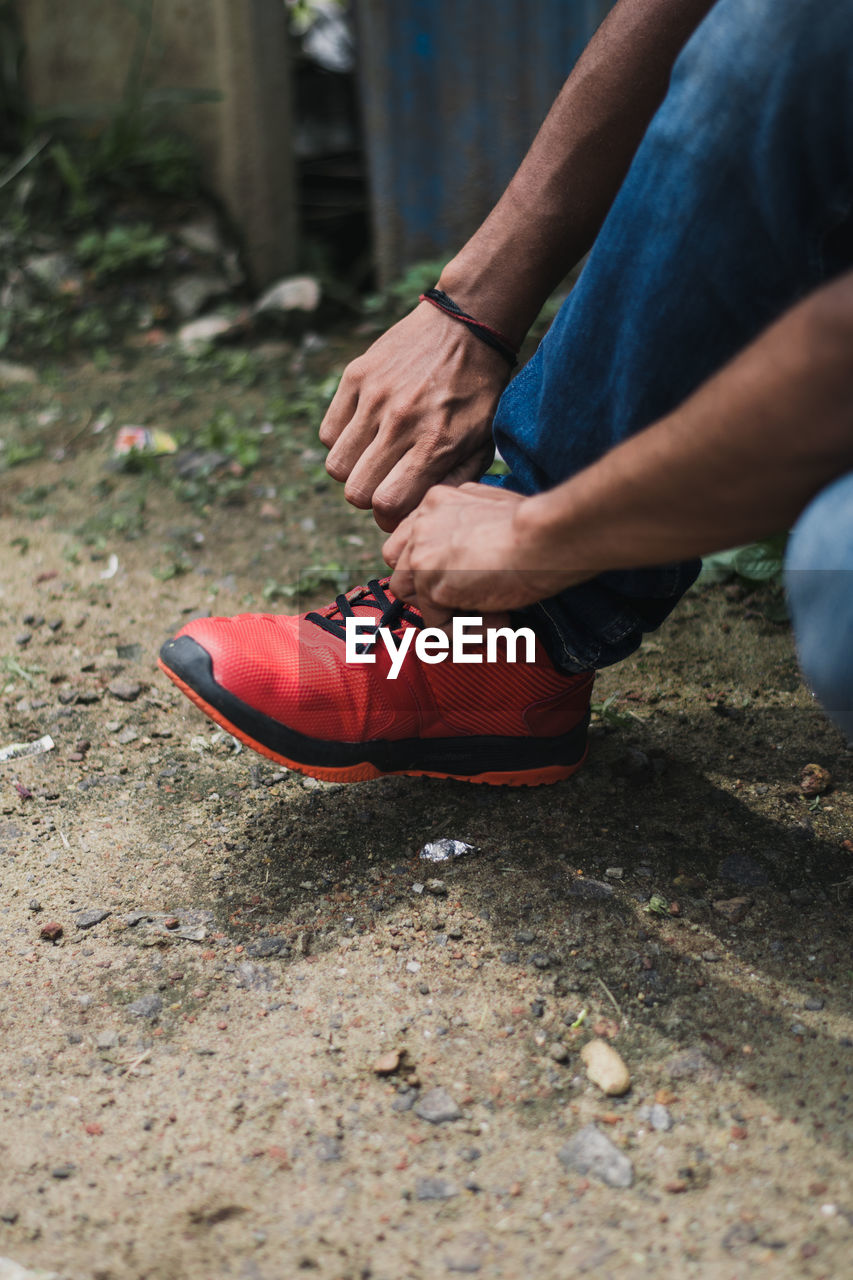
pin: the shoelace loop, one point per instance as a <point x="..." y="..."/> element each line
<point x="392" y="612"/>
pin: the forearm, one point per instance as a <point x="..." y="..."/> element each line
<point x="736" y="461"/>
<point x="552" y="210"/>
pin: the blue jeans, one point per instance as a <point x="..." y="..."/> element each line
<point x="738" y="203"/>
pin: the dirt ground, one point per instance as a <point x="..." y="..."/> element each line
<point x="187" y="1086"/>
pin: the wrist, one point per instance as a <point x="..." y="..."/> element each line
<point x="484" y="293"/>
<point x="554" y="537"/>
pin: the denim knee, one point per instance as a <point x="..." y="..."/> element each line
<point x="819" y="584"/>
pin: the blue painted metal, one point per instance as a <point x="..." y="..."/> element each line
<point x="452" y="94"/>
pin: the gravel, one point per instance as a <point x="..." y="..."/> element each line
<point x="87" y="919"/>
<point x="435" y="1189"/>
<point x="438" y="1107"/>
<point x="589" y="1151"/>
<point x="150" y="1006"/>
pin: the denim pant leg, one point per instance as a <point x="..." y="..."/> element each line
<point x="819" y="583"/>
<point x="737" y="204"/>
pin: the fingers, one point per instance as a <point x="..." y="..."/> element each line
<point x="342" y="409"/>
<point x="403" y="586"/>
<point x="391" y="452"/>
<point x="393" y="547"/>
<point x="350" y="445"/>
<point x="407" y="483"/>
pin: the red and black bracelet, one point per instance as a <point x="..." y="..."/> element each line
<point x="492" y="337"/>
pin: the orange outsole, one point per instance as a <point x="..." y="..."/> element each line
<point x="365" y="772"/>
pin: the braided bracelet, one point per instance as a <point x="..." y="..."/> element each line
<point x="492" y="337"/>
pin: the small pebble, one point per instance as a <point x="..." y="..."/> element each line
<point x="733" y="909"/>
<point x="435" y="1189"/>
<point x="558" y="1052"/>
<point x="813" y="1003"/>
<point x="660" y="1118"/>
<point x="106" y="1040"/>
<point x="605" y="1068"/>
<point x="584" y="887"/>
<point x="590" y="1151"/>
<point x="87" y="919"/>
<point x="52" y="931"/>
<point x="328" y="1149"/>
<point x="438" y="1107"/>
<point x="146" y="1007"/>
<point x="387" y="1063"/>
<point x="815" y="780"/>
<point x="437" y="888"/>
<point x="35" y="905"/>
<point x="125" y="690"/>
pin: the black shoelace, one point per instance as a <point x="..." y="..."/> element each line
<point x="392" y="613"/>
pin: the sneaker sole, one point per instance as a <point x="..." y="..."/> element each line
<point x="545" y="760"/>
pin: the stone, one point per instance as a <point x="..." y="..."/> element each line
<point x="387" y="1063"/>
<point x="437" y="1107"/>
<point x="692" y="1064"/>
<point x="125" y="690"/>
<point x="294" y="293"/>
<point x="11" y="1270"/>
<point x="150" y="1006"/>
<point x="202" y="236"/>
<point x="590" y="1151"/>
<point x="56" y="272"/>
<point x="262" y="947"/>
<point x="328" y="1149"/>
<point x="633" y="765"/>
<point x="584" y="887"/>
<point x="199" y="334"/>
<point x="437" y="888"/>
<point x="815" y="780"/>
<point x="558" y="1052"/>
<point x="12" y="375"/>
<point x="660" y="1118"/>
<point x="52" y="931"/>
<point x="435" y="1189"/>
<point x="733" y="909"/>
<point x="189" y="294"/>
<point x="88" y="919"/>
<point x="813" y="1003"/>
<point x="605" y="1067"/>
<point x="106" y="1040"/>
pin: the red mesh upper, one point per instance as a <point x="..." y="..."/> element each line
<point x="295" y="672"/>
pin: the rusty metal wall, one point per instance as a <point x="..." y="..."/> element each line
<point x="453" y="92"/>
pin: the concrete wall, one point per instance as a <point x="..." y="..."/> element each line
<point x="78" y="53"/>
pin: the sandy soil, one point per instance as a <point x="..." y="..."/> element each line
<point x="187" y="1087"/>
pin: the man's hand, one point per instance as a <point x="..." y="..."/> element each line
<point x="415" y="410"/>
<point x="466" y="550"/>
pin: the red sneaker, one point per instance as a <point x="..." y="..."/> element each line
<point x="283" y="686"/>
